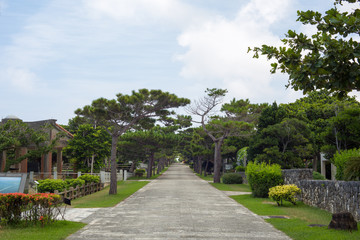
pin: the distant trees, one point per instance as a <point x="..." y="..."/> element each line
<point x="125" y="112"/>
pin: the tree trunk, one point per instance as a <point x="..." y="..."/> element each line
<point x="315" y="160"/>
<point x="149" y="170"/>
<point x="200" y="165"/>
<point x="132" y="168"/>
<point x="92" y="163"/>
<point x="217" y="161"/>
<point x="113" y="177"/>
<point x="206" y="167"/>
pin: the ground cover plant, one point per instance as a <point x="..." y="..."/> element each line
<point x="104" y="199"/>
<point x="300" y="217"/>
<point x="56" y="231"/>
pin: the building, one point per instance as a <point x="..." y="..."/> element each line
<point x="46" y="162"/>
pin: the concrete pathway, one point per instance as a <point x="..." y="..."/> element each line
<point x="178" y="205"/>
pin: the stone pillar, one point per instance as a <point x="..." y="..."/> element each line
<point x="323" y="164"/>
<point x="46" y="162"/>
<point x="3" y="161"/>
<point x="24" y="163"/>
<point x="42" y="166"/>
<point x="333" y="171"/>
<point x="59" y="160"/>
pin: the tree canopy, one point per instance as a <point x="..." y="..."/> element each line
<point x="328" y="59"/>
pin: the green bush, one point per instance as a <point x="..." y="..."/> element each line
<point x="284" y="192"/>
<point x="232" y="178"/>
<point x="341" y="161"/>
<point x="262" y="177"/>
<point x="74" y="182"/>
<point x="90" y="178"/>
<point x="50" y="185"/>
<point x="240" y="169"/>
<point x="318" y="176"/>
<point x="139" y="172"/>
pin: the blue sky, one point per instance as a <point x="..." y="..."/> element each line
<point x="57" y="56"/>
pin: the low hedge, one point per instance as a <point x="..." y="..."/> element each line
<point x="139" y="172"/>
<point x="232" y="178"/>
<point x="90" y="178"/>
<point x="74" y="183"/>
<point x="32" y="208"/>
<point x="50" y="185"/>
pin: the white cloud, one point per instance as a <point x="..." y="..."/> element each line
<point x="217" y="49"/>
<point x="21" y="79"/>
<point x="144" y="12"/>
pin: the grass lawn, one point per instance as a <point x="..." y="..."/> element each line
<point x="232" y="187"/>
<point x="152" y="177"/>
<point x="56" y="231"/>
<point x="103" y="199"/>
<point x="300" y="216"/>
<point x="207" y="178"/>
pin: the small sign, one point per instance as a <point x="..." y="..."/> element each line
<point x="67" y="201"/>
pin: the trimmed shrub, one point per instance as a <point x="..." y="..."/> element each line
<point x="262" y="177"/>
<point x="284" y="192"/>
<point x="318" y="176"/>
<point x="240" y="169"/>
<point x="50" y="185"/>
<point x="89" y="178"/>
<point x="232" y="178"/>
<point x="139" y="172"/>
<point x="74" y="183"/>
<point x="33" y="208"/>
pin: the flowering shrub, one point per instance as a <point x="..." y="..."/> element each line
<point x="15" y="207"/>
<point x="284" y="192"/>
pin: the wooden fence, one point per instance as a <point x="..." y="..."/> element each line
<point x="80" y="191"/>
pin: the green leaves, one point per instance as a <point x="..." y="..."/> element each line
<point x="326" y="60"/>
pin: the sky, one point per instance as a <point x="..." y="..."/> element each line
<point x="58" y="56"/>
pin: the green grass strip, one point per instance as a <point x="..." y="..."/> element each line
<point x="55" y="231"/>
<point x="207" y="178"/>
<point x="152" y="177"/>
<point x="232" y="187"/>
<point x="301" y="216"/>
<point x="103" y="199"/>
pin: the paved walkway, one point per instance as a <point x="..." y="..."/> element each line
<point x="178" y="205"/>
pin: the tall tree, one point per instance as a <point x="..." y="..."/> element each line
<point x="217" y="127"/>
<point x="89" y="148"/>
<point x="125" y="112"/>
<point x="328" y="59"/>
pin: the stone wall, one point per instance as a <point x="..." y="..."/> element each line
<point x="333" y="196"/>
<point x="294" y="176"/>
